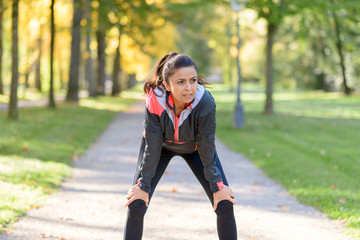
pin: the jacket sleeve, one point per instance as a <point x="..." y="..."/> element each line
<point x="205" y="141"/>
<point x="153" y="146"/>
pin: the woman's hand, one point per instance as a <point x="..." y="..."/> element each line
<point x="225" y="193"/>
<point x="136" y="193"/>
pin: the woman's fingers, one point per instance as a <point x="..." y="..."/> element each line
<point x="232" y="200"/>
<point x="130" y="195"/>
<point x="129" y="202"/>
<point x="215" y="205"/>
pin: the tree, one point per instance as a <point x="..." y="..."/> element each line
<point x="100" y="77"/>
<point x="89" y="70"/>
<point x="73" y="85"/>
<point x="339" y="43"/>
<point x="116" y="89"/>
<point x="273" y="11"/>
<point x="51" y="91"/>
<point x="38" y="84"/>
<point x="13" y="109"/>
<point x="1" y="46"/>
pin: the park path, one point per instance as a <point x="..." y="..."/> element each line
<point x="89" y="205"/>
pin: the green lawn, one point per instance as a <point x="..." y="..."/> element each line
<point x="36" y="152"/>
<point x="311" y="146"/>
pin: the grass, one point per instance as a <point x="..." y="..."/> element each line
<point x="31" y="94"/>
<point x="36" y="152"/>
<point x="311" y="146"/>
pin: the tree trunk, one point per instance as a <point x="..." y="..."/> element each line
<point x="89" y="69"/>
<point x="271" y="28"/>
<point x="116" y="89"/>
<point x="13" y="109"/>
<point x="38" y="84"/>
<point x="100" y="83"/>
<point x="51" y="92"/>
<point x="1" y="47"/>
<point x="61" y="74"/>
<point x="73" y="86"/>
<point x="340" y="49"/>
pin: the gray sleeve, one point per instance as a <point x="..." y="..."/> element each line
<point x="153" y="146"/>
<point x="205" y="141"/>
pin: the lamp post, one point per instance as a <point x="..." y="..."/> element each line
<point x="238" y="120"/>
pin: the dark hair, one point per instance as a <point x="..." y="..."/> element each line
<point x="166" y="67"/>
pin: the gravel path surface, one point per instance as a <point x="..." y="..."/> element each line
<point x="89" y="205"/>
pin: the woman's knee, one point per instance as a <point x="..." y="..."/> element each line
<point x="224" y="208"/>
<point x="138" y="207"/>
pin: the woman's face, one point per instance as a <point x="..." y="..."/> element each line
<point x="183" y="85"/>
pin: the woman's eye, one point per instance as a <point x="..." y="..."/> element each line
<point x="180" y="82"/>
<point x="193" y="80"/>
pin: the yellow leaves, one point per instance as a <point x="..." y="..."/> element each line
<point x="233" y="51"/>
<point x="159" y="22"/>
<point x="112" y="17"/>
<point x="83" y="22"/>
<point x="211" y="43"/>
<point x="124" y="20"/>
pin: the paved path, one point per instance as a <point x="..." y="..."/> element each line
<point x="89" y="205"/>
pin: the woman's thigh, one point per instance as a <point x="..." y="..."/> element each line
<point x="197" y="167"/>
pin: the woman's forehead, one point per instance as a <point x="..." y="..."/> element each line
<point x="184" y="72"/>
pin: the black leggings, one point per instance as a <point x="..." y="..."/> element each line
<point x="226" y="224"/>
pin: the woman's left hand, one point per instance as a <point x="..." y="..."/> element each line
<point x="225" y="193"/>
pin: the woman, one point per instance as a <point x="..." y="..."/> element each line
<point x="179" y="120"/>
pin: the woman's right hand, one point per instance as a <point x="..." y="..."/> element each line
<point x="134" y="193"/>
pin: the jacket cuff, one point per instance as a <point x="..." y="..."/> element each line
<point x="220" y="185"/>
<point x="216" y="186"/>
<point x="143" y="186"/>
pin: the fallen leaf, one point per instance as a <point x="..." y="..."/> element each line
<point x="342" y="200"/>
<point x="341" y="221"/>
<point x="255" y="183"/>
<point x="283" y="207"/>
<point x="45" y="235"/>
<point x="333" y="186"/>
<point x="174" y="190"/>
<point x="47" y="190"/>
<point x="251" y="238"/>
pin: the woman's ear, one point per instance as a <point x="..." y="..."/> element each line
<point x="167" y="86"/>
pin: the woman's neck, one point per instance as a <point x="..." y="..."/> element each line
<point x="179" y="107"/>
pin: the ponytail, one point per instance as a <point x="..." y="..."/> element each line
<point x="157" y="76"/>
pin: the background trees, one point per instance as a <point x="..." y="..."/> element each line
<point x="286" y="44"/>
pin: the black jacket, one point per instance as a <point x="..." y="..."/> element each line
<point x="193" y="131"/>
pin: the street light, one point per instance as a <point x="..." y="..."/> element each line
<point x="238" y="120"/>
